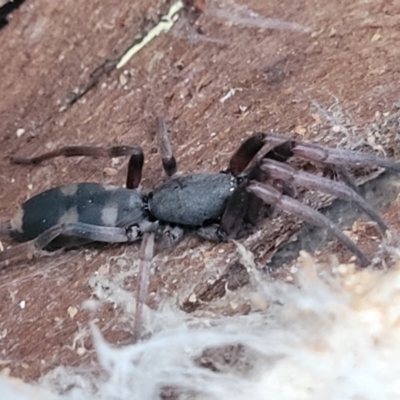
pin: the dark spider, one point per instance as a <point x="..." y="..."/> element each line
<point x="215" y="206"/>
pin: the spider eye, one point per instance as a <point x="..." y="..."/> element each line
<point x="240" y="179"/>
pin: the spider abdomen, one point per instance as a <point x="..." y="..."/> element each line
<point x="192" y="200"/>
<point x="89" y="203"/>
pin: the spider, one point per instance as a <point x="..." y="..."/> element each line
<point x="214" y="206"/>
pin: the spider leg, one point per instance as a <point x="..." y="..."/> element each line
<point x="280" y="148"/>
<point x="167" y="236"/>
<point x="31" y="246"/>
<point x="76" y="151"/>
<point x="164" y="145"/>
<point x="211" y="233"/>
<point x="245" y="153"/>
<point x="87" y="232"/>
<point x="309" y="181"/>
<point x="147" y="253"/>
<point x="346" y="177"/>
<point x="135" y="165"/>
<point x="242" y="211"/>
<point x="235" y="211"/>
<point x="264" y="146"/>
<point x="341" y="157"/>
<point x="276" y="199"/>
<point x="242" y="205"/>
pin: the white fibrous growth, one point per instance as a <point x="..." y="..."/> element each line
<point x="334" y="335"/>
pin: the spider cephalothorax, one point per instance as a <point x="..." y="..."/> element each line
<point x="215" y="206"/>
